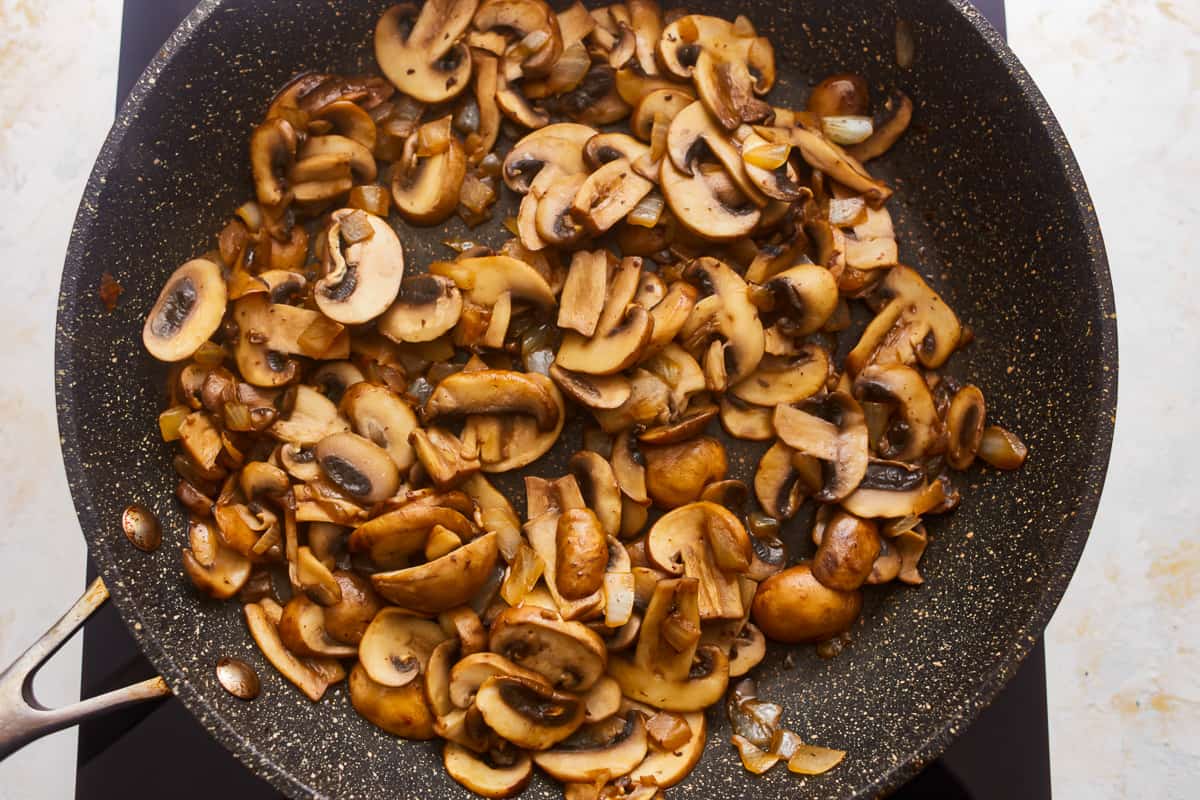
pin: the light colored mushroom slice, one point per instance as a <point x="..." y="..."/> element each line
<point x="700" y="203"/>
<point x="302" y="631"/>
<point x="964" y="426"/>
<point x="725" y="312"/>
<point x="685" y="38"/>
<point x="786" y="380"/>
<point x="549" y="203"/>
<point x="401" y="711"/>
<point x="465" y="727"/>
<point x="358" y="466"/>
<point x="918" y="429"/>
<point x="569" y="655"/>
<point x="598" y="485"/>
<point x="648" y="404"/>
<point x="390" y="539"/>
<point x="584" y="292"/>
<point x="423" y="57"/>
<point x="834" y="431"/>
<point x="347" y="620"/>
<point x="187" y="312"/>
<point x="469" y="673"/>
<point x="396" y="647"/>
<point x="892" y="489"/>
<point x="611" y="351"/>
<point x="888" y="130"/>
<point x="446" y="459"/>
<point x="614" y="746"/>
<point x="661" y="104"/>
<point x="427" y="307"/>
<point x="688" y="426"/>
<point x="703" y="686"/>
<point x="560" y="145"/>
<point x="492" y="391"/>
<point x="272" y="153"/>
<point x="443" y="583"/>
<point x="484" y="775"/>
<point x="671" y="314"/>
<point x="693" y="129"/>
<point x="361" y="278"/>
<point x="437" y="677"/>
<point x="744" y="421"/>
<point x="679" y="371"/>
<point x="802" y="298"/>
<point x="602" y="701"/>
<point x="707" y="542"/>
<point x="382" y="417"/>
<point x="670" y="631"/>
<point x="516" y="107"/>
<point x="783" y="479"/>
<point x="726" y="87"/>
<point x="315" y="577"/>
<point x="336" y="150"/>
<point x="609" y="194"/>
<point x="527" y="713"/>
<point x="313" y="418"/>
<point x="486" y="278"/>
<point x="496" y="514"/>
<point x="677" y="473"/>
<point x="308" y="680"/>
<point x="593" y="391"/>
<point x="201" y="439"/>
<point x="768" y="168"/>
<point x="748" y="651"/>
<point x="915" y="326"/>
<point x="629" y="467"/>
<point x="829" y="158"/>
<point x="533" y="27"/>
<point x="873" y="243"/>
<point x="258" y="364"/>
<point x="425" y="189"/>
<point x="518" y="440"/>
<point x="665" y="768"/>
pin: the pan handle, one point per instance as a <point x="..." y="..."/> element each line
<point x="23" y="718"/>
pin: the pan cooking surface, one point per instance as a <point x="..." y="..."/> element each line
<point x="990" y="207"/>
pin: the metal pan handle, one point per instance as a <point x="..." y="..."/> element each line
<point x="23" y="718"/>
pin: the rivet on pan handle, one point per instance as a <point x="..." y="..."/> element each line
<point x="23" y="718"/>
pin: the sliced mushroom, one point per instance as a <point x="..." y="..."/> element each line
<point x="346" y="620"/>
<point x="665" y="768"/>
<point x="446" y="459"/>
<point x="533" y="26"/>
<point x="679" y="371"/>
<point x="315" y="578"/>
<point x="725" y="312"/>
<point x="872" y="243"/>
<point x="614" y="746"/>
<point x="918" y="429"/>
<point x="704" y="685"/>
<point x="690" y="425"/>
<point x="258" y="364"/>
<point x="747" y="652"/>
<point x="306" y="678"/>
<point x="670" y="631"/>
<point x="552" y="199"/>
<point x="629" y="467"/>
<point x="443" y="583"/>
<point x="560" y="145"/>
<point x="187" y="312"/>
<point x="676" y="474"/>
<point x="822" y="154"/>
<point x="783" y="479"/>
<point x="964" y="424"/>
<point x="610" y="351"/>
<point x="425" y="189"/>
<point x="358" y="466"/>
<point x="486" y="278"/>
<point x="383" y="418"/>
<point x="693" y="131"/>
<point x="492" y="391"/>
<point x="793" y="606"/>
<point x="786" y="380"/>
<point x="599" y="488"/>
<point x="605" y="148"/>
<point x="527" y="713"/>
<point x="313" y="418"/>
<point x="707" y="542"/>
<point x="671" y="314"/>
<point x="401" y="711"/>
<point x="834" y="431"/>
<point x="361" y="279"/>
<point x="483" y="774"/>
<point x="390" y="539"/>
<point x="581" y="553"/>
<point x="427" y="307"/>
<point x="702" y="204"/>
<point x="888" y="130"/>
<point x="803" y="298"/>
<point x="567" y="654"/>
<point x="272" y="153"/>
<point x="659" y="105"/>
<point x="516" y="107"/>
<point x="686" y="38"/>
<point x="594" y="391"/>
<point x="583" y="293"/>
<point x="423" y="57"/>
<point x="396" y="647"/>
<point x="892" y="489"/>
<point x="470" y="672"/>
<point x="609" y="194"/>
<point x="1002" y="448"/>
<point x="744" y="421"/>
<point x="648" y="404"/>
<point x="302" y="630"/>
<point x="216" y="570"/>
<point x="340" y="152"/>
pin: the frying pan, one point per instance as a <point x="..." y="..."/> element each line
<point x="990" y="206"/>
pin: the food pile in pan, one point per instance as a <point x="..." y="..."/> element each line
<point x="684" y="255"/>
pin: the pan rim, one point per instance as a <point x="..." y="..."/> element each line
<point x="959" y="715"/>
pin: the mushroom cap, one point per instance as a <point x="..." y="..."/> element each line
<point x="426" y="307"/>
<point x="569" y="655"/>
<point x="806" y="295"/>
<point x="662" y="103"/>
<point x="528" y="713"/>
<point x="187" y="312"/>
<point x="368" y="279"/>
<point x="964" y="426"/>
<point x="302" y="630"/>
<point x="396" y="647"/>
<point x="677" y="473"/>
<point x="492" y="391"/>
<point x="413" y="54"/>
<point x="443" y="583"/>
<point x="745" y="421"/>
<point x="560" y="145"/>
<point x="614" y="746"/>
<point x="786" y="380"/>
<point x="793" y="606"/>
<point x="469" y="673"/>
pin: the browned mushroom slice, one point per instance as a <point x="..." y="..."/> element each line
<point x="426" y="307"/>
<point x="648" y="404"/>
<point x="594" y="391"/>
<point x="401" y="711"/>
<point x="528" y="714"/>
<point x="391" y="538"/>
<point x="614" y="746"/>
<point x="599" y="488"/>
<point x="660" y="105"/>
<point x="567" y="654"/>
<point x="340" y="152"/>
<point x="892" y="489"/>
<point x="918" y="429"/>
<point x="802" y="298"/>
<point x="610" y="351"/>
<point x="516" y="440"/>
<point x="704" y="685"/>
<point x="692" y="131"/>
<point x="187" y="312"/>
<point x="583" y="292"/>
<point x="707" y="542"/>
<point x="915" y="325"/>
<point x="418" y="48"/>
<point x="346" y="620"/>
<point x="964" y="426"/>
<point x="302" y="631"/>
<point x="847" y="552"/>
<point x="677" y="473"/>
<point x="469" y="673"/>
<point x="350" y="120"/>
<point x="311" y="682"/>
<point x="446" y="459"/>
<point x="783" y="479"/>
<point x="396" y="647"/>
<point x="703" y="207"/>
<point x="486" y="278"/>
<point x="517" y="108"/>
<point x="560" y="145"/>
<point x="216" y="570"/>
<point x="691" y="424"/>
<point x="272" y="153"/>
<point x="671" y="314"/>
<point x="768" y="168"/>
<point x="361" y="278"/>
<point x="358" y="466"/>
<point x="426" y="188"/>
<point x="872" y="243"/>
<point x="665" y="768"/>
<point x="609" y="194"/>
<point x="680" y="372"/>
<point x="629" y="467"/>
<point x="492" y="391"/>
<point x="824" y="155"/>
<point x="793" y="606"/>
<point x="444" y="583"/>
<point x="684" y="39"/>
<point x="786" y="380"/>
<point x="887" y="131"/>
<point x="313" y="418"/>
<point x="726" y="312"/>
<point x="604" y="148"/>
<point x="382" y="417"/>
<point x="670" y="631"/>
<point x="744" y="421"/>
<point x="485" y="774"/>
<point x="257" y="363"/>
<point x="726" y="88"/>
<point x="549" y="204"/>
<point x="581" y="554"/>
<point x="834" y="431"/>
<point x="533" y="26"/>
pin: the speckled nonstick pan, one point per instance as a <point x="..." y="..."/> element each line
<point x="990" y="206"/>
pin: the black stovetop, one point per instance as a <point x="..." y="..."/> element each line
<point x="159" y="750"/>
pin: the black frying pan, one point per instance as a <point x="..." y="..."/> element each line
<point x="991" y="207"/>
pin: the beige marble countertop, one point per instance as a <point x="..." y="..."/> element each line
<point x="1123" y="650"/>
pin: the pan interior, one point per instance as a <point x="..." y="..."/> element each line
<point x="990" y="207"/>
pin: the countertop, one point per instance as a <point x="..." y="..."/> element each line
<point x="1123" y="650"/>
